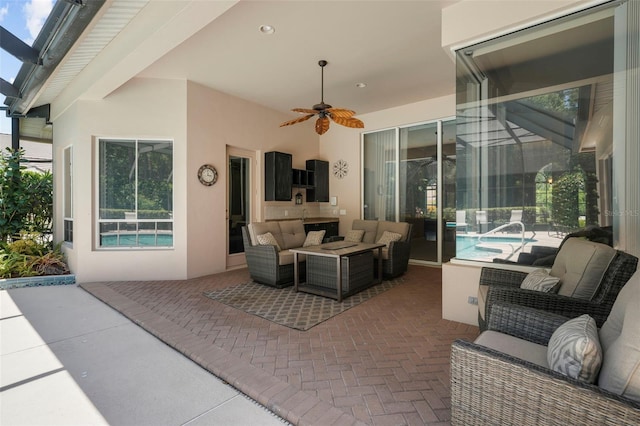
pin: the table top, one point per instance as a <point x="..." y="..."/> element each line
<point x="328" y="249"/>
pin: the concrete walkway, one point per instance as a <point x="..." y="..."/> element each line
<point x="69" y="359"/>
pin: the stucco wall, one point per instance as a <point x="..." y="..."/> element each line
<point x="139" y="109"/>
<point x="217" y="120"/>
<point x="201" y="122"/>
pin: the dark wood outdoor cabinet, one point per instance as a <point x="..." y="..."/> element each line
<point x="277" y="176"/>
<point x="320" y="189"/>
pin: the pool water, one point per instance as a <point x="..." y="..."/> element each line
<point x="466" y="246"/>
<point x="143" y="240"/>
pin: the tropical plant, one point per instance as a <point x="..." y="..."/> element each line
<point x="29" y="256"/>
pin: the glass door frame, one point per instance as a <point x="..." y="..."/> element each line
<point x="236" y="260"/>
<point x="440" y="187"/>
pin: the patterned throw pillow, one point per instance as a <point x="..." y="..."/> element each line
<point x="540" y="280"/>
<point x="314" y="238"/>
<point x="574" y="349"/>
<point x="354" y="236"/>
<point x="388" y="237"/>
<point x="268" y="240"/>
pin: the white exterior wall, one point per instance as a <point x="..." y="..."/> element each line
<point x="140" y="109"/>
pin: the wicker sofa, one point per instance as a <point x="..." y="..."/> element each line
<point x="395" y="257"/>
<point x="267" y="264"/>
<point x="607" y="268"/>
<point x="512" y="374"/>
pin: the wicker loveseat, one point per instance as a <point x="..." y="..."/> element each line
<point x="395" y="257"/>
<point x="267" y="264"/>
<point x="607" y="269"/>
<point x="526" y="369"/>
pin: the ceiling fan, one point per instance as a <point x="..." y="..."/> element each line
<point x="325" y="112"/>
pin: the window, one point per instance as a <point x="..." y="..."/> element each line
<point x="135" y="193"/>
<point x="68" y="194"/>
<point x="534" y="135"/>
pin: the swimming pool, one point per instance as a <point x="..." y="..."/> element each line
<point x="467" y="246"/>
<point x="143" y="240"/>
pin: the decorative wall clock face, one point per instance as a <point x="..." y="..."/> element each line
<point x="340" y="169"/>
<point x="207" y="174"/>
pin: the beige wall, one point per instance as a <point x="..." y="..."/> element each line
<point x="201" y="122"/>
<point x="217" y="120"/>
<point x="139" y="109"/>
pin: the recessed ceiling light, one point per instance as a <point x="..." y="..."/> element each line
<point x="267" y="29"/>
<point x="361" y="85"/>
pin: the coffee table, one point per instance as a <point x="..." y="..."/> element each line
<point x="333" y="267"/>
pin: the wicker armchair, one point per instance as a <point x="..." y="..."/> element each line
<point x="504" y="286"/>
<point x="264" y="264"/>
<point x="489" y="386"/>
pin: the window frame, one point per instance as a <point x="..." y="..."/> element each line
<point x="128" y="220"/>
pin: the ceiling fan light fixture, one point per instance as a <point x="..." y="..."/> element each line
<point x="267" y="29"/>
<point x="324" y="111"/>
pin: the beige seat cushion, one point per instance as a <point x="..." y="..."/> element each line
<point x="285" y="257"/>
<point x="620" y="340"/>
<point x="514" y="346"/>
<point x="580" y="265"/>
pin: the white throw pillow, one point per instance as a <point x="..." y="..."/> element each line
<point x="388" y="237"/>
<point x="314" y="238"/>
<point x="574" y="349"/>
<point x="540" y="280"/>
<point x="354" y="236"/>
<point x="268" y="240"/>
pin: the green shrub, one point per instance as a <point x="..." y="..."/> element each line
<point x="28" y="257"/>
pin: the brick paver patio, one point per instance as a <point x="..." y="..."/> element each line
<point x="384" y="362"/>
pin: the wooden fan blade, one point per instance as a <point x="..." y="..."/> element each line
<point x="339" y="112"/>
<point x="297" y="120"/>
<point x="305" y="111"/>
<point x="349" y="122"/>
<point x="322" y="125"/>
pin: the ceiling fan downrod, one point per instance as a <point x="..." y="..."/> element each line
<point x="321" y="106"/>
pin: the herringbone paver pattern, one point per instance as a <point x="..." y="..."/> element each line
<point x="384" y="362"/>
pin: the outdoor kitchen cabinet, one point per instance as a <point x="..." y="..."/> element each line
<point x="320" y="189"/>
<point x="277" y="176"/>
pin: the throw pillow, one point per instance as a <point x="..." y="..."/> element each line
<point x="540" y="280"/>
<point x="268" y="240"/>
<point x="314" y="238"/>
<point x="388" y="237"/>
<point x="574" y="349"/>
<point x="354" y="236"/>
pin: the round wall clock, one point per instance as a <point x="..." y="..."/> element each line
<point x="340" y="169"/>
<point x="207" y="174"/>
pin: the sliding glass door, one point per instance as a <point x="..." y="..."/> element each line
<point x="409" y="177"/>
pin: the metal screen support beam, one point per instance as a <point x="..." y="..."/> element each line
<point x="15" y="133"/>
<point x="9" y="90"/>
<point x="18" y="48"/>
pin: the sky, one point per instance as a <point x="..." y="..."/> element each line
<point x="24" y="19"/>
